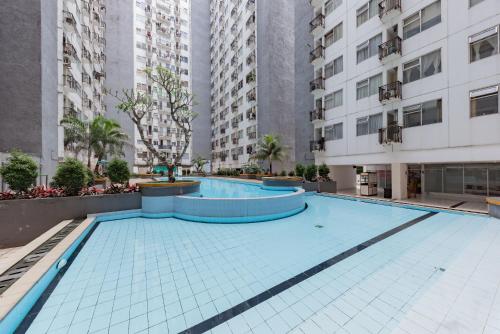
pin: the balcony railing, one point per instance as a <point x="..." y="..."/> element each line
<point x="318" y="21"/>
<point x="318" y="83"/>
<point x="317" y="115"/>
<point x="391" y="134"/>
<point x="317" y="145"/>
<point x="391" y="47"/>
<point x="318" y="52"/>
<point x="390" y="91"/>
<point x="386" y="6"/>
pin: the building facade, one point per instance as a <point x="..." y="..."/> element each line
<point x="50" y="69"/>
<point x="253" y="79"/>
<point x="408" y="89"/>
<point x="160" y="36"/>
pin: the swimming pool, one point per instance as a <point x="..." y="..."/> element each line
<point x="167" y="275"/>
<point x="220" y="188"/>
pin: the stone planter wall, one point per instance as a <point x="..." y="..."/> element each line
<point x="23" y="220"/>
<point x="328" y="187"/>
<point x="310" y="186"/>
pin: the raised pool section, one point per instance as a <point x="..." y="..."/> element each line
<point x="220" y="201"/>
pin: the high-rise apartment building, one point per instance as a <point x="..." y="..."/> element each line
<point x="145" y="34"/>
<point x="52" y="62"/>
<point x="408" y="89"/>
<point x="253" y="79"/>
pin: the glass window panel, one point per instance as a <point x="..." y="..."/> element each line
<point x="494" y="181"/>
<point x="362" y="53"/>
<point x="329" y="132"/>
<point x="375" y="123"/>
<point x="431" y="63"/>
<point x="411" y="26"/>
<point x="475" y="180"/>
<point x="338" y="65"/>
<point x="375" y="83"/>
<point x="329" y="101"/>
<point x="432" y="112"/>
<point x="337" y="131"/>
<point x="362" y="15"/>
<point x="337" y="32"/>
<point x="362" y="126"/>
<point x="362" y="89"/>
<point x="454" y="180"/>
<point x="337" y="97"/>
<point x="431" y="15"/>
<point x="484" y="105"/>
<point x="329" y="70"/>
<point x="329" y="38"/>
<point x="433" y="179"/>
<point x="411" y="71"/>
<point x="484" y="48"/>
<point x="374" y="43"/>
<point x="474" y="2"/>
<point x="412" y="117"/>
<point x="373" y="8"/>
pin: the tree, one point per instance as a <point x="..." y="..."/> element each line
<point x="20" y="172"/>
<point x="199" y="163"/>
<point x="99" y="137"/>
<point x="118" y="171"/>
<point x="269" y="148"/>
<point x="71" y="175"/>
<point x="179" y="100"/>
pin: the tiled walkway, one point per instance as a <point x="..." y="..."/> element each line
<point x="161" y="276"/>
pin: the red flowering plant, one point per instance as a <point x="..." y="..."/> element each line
<point x="89" y="191"/>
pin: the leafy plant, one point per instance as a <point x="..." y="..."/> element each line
<point x="251" y="168"/>
<point x="310" y="173"/>
<point x="269" y="148"/>
<point x="118" y="171"/>
<point x="20" y="172"/>
<point x="283" y="173"/>
<point x="291" y="173"/>
<point x="71" y="176"/>
<point x="90" y="177"/>
<point x="299" y="170"/>
<point x="324" y="172"/>
<point x="199" y="163"/>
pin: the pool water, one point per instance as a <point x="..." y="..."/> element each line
<point x="136" y="274"/>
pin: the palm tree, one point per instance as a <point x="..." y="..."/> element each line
<point x="199" y="163"/>
<point x="99" y="137"/>
<point x="269" y="148"/>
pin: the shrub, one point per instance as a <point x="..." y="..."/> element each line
<point x="71" y="175"/>
<point x="323" y="172"/>
<point x="283" y="173"/>
<point x="118" y="171"/>
<point x="251" y="168"/>
<point x="90" y="177"/>
<point x="291" y="173"/>
<point x="299" y="170"/>
<point x="20" y="172"/>
<point x="310" y="172"/>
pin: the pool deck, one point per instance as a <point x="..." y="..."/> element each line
<point x="441" y="275"/>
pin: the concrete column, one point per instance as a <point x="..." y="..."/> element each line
<point x="399" y="174"/>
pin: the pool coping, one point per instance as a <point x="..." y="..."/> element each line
<point x="18" y="300"/>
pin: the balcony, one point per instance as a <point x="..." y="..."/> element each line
<point x="388" y="10"/>
<point x="317" y="25"/>
<point x="390" y="92"/>
<point x="390" y="50"/>
<point x="393" y="134"/>
<point x="317" y="145"/>
<point x="317" y="56"/>
<point x="317" y="86"/>
<point x="317" y="115"/>
<point x="316" y="3"/>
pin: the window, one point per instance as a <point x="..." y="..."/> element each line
<point x="331" y="5"/>
<point x="369" y="124"/>
<point x="483" y="44"/>
<point x="368" y="87"/>
<point x="422" y="114"/>
<point x="337" y="32"/>
<point x="369" y="48"/>
<point x="329" y="70"/>
<point x="329" y="101"/>
<point x="333" y="100"/>
<point x="484" y="101"/>
<point x="424" y="19"/>
<point x="366" y="12"/>
<point x="474" y="2"/>
<point x="329" y="38"/>
<point x="422" y="67"/>
<point x="333" y="132"/>
<point x="338" y="65"/>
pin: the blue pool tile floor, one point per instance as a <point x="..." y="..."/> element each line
<point x="166" y="275"/>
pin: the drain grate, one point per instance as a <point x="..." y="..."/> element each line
<point x="14" y="273"/>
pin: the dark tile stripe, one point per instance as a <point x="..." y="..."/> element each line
<point x="457" y="205"/>
<point x="254" y="301"/>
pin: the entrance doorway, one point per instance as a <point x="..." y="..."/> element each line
<point x="414" y="186"/>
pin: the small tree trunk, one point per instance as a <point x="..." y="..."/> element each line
<point x="270" y="166"/>
<point x="89" y="156"/>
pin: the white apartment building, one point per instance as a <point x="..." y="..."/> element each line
<point x="409" y="89"/>
<point x="253" y="79"/>
<point x="82" y="60"/>
<point x="160" y="36"/>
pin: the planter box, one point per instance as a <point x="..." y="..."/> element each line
<point x="22" y="220"/>
<point x="282" y="181"/>
<point x="248" y="176"/>
<point x="328" y="187"/>
<point x="310" y="186"/>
